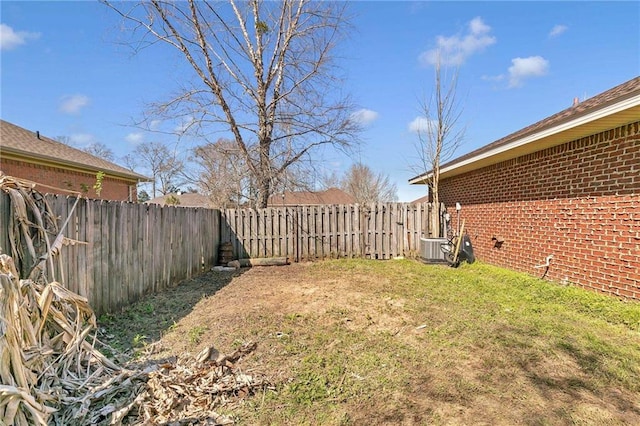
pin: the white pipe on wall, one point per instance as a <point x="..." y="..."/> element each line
<point x="548" y="262"/>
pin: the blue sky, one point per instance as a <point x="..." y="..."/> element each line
<point x="64" y="72"/>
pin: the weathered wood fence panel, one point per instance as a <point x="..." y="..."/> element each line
<point x="377" y="231"/>
<point x="5" y="214"/>
<point x="119" y="251"/>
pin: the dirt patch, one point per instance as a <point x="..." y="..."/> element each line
<point x="358" y="342"/>
<point x="288" y="293"/>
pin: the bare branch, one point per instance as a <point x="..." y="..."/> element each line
<point x="262" y="72"/>
<point x="162" y="164"/>
<point x="443" y="135"/>
<point x="368" y="187"/>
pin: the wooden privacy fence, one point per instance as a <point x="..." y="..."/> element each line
<point x="125" y="250"/>
<point x="120" y="251"/>
<point x="377" y="231"/>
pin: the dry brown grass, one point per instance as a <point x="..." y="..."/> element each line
<point x="399" y="342"/>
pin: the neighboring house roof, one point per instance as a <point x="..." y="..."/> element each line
<point x="307" y="198"/>
<point x="188" y="199"/>
<point x="25" y="145"/>
<point x="423" y="199"/>
<point x="613" y="108"/>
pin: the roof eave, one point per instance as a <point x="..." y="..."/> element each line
<point x="514" y="149"/>
<point x="421" y="179"/>
<point x="78" y="166"/>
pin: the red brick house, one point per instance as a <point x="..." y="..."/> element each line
<point x="61" y="169"/>
<point x="567" y="187"/>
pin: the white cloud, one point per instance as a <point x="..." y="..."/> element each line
<point x="477" y="26"/>
<point x="454" y="50"/>
<point x="498" y="77"/>
<point x="72" y="104"/>
<point x="364" y="116"/>
<point x="420" y="125"/>
<point x="134" y="138"/>
<point x="557" y="30"/>
<point x="523" y="68"/>
<point x="82" y="139"/>
<point x="155" y="125"/>
<point x="10" y="39"/>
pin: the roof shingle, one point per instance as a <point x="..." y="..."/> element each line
<point x="616" y="94"/>
<point x="18" y="140"/>
<point x="619" y="93"/>
<point x="307" y="198"/>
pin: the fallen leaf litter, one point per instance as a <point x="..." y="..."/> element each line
<point x="51" y="369"/>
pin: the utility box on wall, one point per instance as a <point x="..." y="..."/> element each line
<point x="431" y="250"/>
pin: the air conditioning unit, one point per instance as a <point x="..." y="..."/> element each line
<point x="431" y="250"/>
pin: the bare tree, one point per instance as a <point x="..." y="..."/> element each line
<point x="222" y="173"/>
<point x="264" y="72"/>
<point x="95" y="148"/>
<point x="130" y="161"/>
<point x="161" y="163"/>
<point x="330" y="179"/>
<point x="367" y="186"/>
<point x="440" y="136"/>
<point x="100" y="150"/>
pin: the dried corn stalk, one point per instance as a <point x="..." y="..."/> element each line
<point x="51" y="371"/>
<point x="31" y="223"/>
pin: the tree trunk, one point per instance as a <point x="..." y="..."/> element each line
<point x="435" y="200"/>
<point x="263" y="192"/>
<point x="435" y="212"/>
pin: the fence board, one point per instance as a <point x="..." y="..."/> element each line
<point x="103" y="229"/>
<point x="5" y="215"/>
<point x="293" y="248"/>
<point x="316" y="239"/>
<point x="378" y="231"/>
<point x="126" y="250"/>
<point x="83" y="264"/>
<point x="133" y="249"/>
<point x="301" y="229"/>
<point x="355" y="231"/>
<point x="90" y="251"/>
<point x="329" y="246"/>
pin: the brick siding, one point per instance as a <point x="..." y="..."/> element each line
<point x="112" y="189"/>
<point x="579" y="202"/>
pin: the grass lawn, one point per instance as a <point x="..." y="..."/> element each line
<point x="399" y="342"/>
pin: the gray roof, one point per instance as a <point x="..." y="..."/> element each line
<point x="20" y="141"/>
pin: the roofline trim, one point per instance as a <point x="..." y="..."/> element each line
<point x="69" y="165"/>
<point x="567" y="125"/>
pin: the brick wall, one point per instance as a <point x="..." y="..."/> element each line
<point x="579" y="202"/>
<point x="112" y="189"/>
